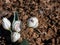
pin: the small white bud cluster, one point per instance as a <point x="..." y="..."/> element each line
<point x="7" y="25"/>
<point x="16" y="26"/>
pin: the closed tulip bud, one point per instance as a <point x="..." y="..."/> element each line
<point x="16" y="26"/>
<point x="15" y="36"/>
<point x="32" y="22"/>
<point x="6" y="23"/>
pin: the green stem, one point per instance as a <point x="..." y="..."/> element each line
<point x="10" y="31"/>
<point x="15" y="16"/>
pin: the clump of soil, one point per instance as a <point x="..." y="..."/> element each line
<point x="48" y="14"/>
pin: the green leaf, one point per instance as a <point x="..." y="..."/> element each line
<point x="24" y="42"/>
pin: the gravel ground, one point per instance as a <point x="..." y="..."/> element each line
<point x="48" y="14"/>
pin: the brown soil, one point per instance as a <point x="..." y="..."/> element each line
<point x="48" y="14"/>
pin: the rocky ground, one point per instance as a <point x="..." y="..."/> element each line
<point x="48" y="14"/>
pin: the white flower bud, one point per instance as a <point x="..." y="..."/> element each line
<point x="16" y="26"/>
<point x="15" y="36"/>
<point x="6" y="23"/>
<point x="32" y="22"/>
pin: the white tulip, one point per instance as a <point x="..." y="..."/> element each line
<point x="16" y="26"/>
<point x="32" y="22"/>
<point x="6" y="23"/>
<point x="15" y="36"/>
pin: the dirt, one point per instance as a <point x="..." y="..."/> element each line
<point x="48" y="14"/>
